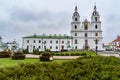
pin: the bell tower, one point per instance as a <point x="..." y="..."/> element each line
<point x="95" y="15"/>
<point x="75" y="27"/>
<point x="96" y="27"/>
<point x="75" y="24"/>
<point x="76" y="17"/>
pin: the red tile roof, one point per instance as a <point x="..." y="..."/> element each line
<point x="116" y="40"/>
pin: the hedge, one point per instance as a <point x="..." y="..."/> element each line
<point x="84" y="68"/>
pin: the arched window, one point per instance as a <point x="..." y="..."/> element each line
<point x="75" y="34"/>
<point x="34" y="41"/>
<point x="86" y="35"/>
<point x="75" y="26"/>
<point x="76" y="41"/>
<point x="56" y="42"/>
<point x="27" y="41"/>
<point x="96" y="34"/>
<point x="95" y="19"/>
<point x="75" y="19"/>
<point x="51" y="42"/>
<point x="75" y="47"/>
<point x="86" y="41"/>
<point x="50" y="47"/>
<point x="39" y="47"/>
<point x="62" y="42"/>
<point x="96" y="26"/>
<point x="39" y="41"/>
<point x="56" y="47"/>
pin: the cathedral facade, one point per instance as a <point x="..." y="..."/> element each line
<point x="84" y="36"/>
<point x="85" y="33"/>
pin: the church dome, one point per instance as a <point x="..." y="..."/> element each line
<point x="76" y="12"/>
<point x="95" y="13"/>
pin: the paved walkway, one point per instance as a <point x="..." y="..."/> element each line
<point x="109" y="53"/>
<point x="105" y="53"/>
<point x="55" y="57"/>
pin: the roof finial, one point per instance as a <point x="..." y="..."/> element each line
<point x="95" y="6"/>
<point x="75" y="7"/>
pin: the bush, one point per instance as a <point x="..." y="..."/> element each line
<point x="62" y="54"/>
<point x="83" y="54"/>
<point x="46" y="56"/>
<point x="57" y="54"/>
<point x="25" y="51"/>
<point x="72" y="54"/>
<point x="4" y="54"/>
<point x="53" y="54"/>
<point x="36" y="51"/>
<point x="66" y="54"/>
<point x="18" y="56"/>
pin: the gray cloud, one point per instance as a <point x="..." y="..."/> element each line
<point x="26" y="17"/>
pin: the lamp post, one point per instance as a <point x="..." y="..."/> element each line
<point x="96" y="42"/>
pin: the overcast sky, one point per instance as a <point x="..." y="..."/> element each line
<point x="19" y="18"/>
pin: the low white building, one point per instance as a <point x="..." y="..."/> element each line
<point x="85" y="35"/>
<point x="52" y="42"/>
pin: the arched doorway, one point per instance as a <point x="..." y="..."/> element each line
<point x="86" y="46"/>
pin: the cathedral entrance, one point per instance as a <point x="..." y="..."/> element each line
<point x="86" y="46"/>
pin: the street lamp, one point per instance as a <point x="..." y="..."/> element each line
<point x="96" y="42"/>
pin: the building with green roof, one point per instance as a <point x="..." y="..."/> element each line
<point x="52" y="42"/>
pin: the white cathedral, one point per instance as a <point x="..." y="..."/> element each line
<point x="83" y="36"/>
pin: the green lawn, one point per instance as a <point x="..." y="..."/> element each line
<point x="8" y="62"/>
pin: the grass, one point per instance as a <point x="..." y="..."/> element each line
<point x="8" y="62"/>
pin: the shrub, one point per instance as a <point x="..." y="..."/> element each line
<point x="18" y="56"/>
<point x="53" y="54"/>
<point x="72" y="54"/>
<point x="77" y="54"/>
<point x="25" y="51"/>
<point x="67" y="54"/>
<point x="83" y="54"/>
<point x="4" y="54"/>
<point x="57" y="54"/>
<point x="46" y="56"/>
<point x="62" y="54"/>
<point x="36" y="51"/>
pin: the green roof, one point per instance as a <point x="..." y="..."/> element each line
<point x="50" y="36"/>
